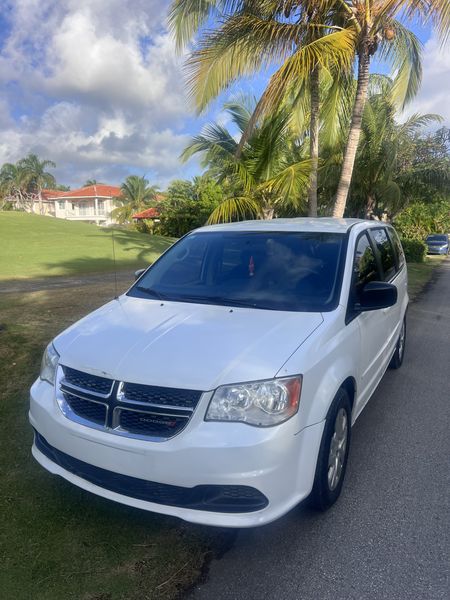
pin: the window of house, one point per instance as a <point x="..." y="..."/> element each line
<point x="101" y="207"/>
<point x="84" y="209"/>
<point x="61" y="204"/>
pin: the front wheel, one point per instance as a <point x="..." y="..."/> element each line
<point x="333" y="453"/>
<point x="397" y="358"/>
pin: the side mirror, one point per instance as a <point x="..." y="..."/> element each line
<point x="138" y="273"/>
<point x="376" y="295"/>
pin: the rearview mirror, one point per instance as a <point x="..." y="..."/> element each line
<point x="138" y="273"/>
<point x="376" y="295"/>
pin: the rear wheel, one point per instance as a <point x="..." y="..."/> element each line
<point x="333" y="453"/>
<point x="397" y="358"/>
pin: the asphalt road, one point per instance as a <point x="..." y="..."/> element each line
<point x="388" y="537"/>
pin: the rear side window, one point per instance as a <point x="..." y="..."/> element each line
<point x="365" y="268"/>
<point x="399" y="254"/>
<point x="385" y="252"/>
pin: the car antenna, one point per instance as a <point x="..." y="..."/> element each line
<point x="115" y="264"/>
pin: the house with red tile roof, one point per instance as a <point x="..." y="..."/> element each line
<point x="150" y="213"/>
<point x="92" y="203"/>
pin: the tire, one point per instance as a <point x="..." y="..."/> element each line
<point x="327" y="487"/>
<point x="397" y="358"/>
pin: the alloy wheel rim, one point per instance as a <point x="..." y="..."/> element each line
<point x="338" y="447"/>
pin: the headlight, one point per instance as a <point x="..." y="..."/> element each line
<point x="261" y="403"/>
<point x="49" y="364"/>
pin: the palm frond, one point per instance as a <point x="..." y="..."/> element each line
<point x="235" y="209"/>
<point x="403" y="53"/>
<point x="334" y="50"/>
<point x="244" y="44"/>
<point x="290" y="184"/>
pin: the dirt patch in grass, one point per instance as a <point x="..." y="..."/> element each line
<point x="58" y="541"/>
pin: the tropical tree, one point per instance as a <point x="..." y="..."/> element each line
<point x="89" y="182"/>
<point x="268" y="176"/>
<point x="395" y="164"/>
<point x="188" y="205"/>
<point x="377" y="31"/>
<point x="240" y="37"/>
<point x="35" y="177"/>
<point x="136" y="195"/>
<point x="379" y="183"/>
<point x="249" y="35"/>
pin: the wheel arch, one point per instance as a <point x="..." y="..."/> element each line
<point x="349" y="386"/>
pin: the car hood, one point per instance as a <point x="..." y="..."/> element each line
<point x="191" y="346"/>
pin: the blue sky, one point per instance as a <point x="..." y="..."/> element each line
<point x="96" y="86"/>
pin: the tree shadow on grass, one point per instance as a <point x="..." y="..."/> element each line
<point x="141" y="251"/>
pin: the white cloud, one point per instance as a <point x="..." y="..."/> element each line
<point x="434" y="94"/>
<point x="95" y="86"/>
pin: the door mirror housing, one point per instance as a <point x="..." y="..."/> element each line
<point x="376" y="295"/>
<point x="138" y="273"/>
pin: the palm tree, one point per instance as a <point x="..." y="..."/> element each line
<point x="251" y="35"/>
<point x="377" y="31"/>
<point x="90" y="182"/>
<point x="269" y="175"/>
<point x="136" y="195"/>
<point x="35" y="177"/>
<point x="379" y="182"/>
<point x="383" y="174"/>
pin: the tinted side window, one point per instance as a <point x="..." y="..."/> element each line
<point x="365" y="268"/>
<point x="385" y="251"/>
<point x="397" y="247"/>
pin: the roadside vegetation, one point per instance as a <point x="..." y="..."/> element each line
<point x="36" y="246"/>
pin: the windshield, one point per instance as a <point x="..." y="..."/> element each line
<point x="270" y="270"/>
<point x="437" y="238"/>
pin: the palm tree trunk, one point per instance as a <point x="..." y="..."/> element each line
<point x="354" y="133"/>
<point x="314" y="141"/>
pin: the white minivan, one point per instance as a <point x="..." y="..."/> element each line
<point x="221" y="388"/>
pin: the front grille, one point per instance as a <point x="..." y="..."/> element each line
<point x="124" y="408"/>
<point x="161" y="395"/>
<point x="217" y="498"/>
<point x="87" y="409"/>
<point x="90" y="383"/>
<point x="151" y="423"/>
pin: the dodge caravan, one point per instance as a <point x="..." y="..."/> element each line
<point x="222" y="386"/>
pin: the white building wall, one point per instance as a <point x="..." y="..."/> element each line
<point x="96" y="209"/>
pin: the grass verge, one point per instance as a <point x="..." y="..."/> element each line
<point x="419" y="274"/>
<point x="57" y="541"/>
<point x="36" y="246"/>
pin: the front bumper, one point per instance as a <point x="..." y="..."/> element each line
<point x="437" y="250"/>
<point x="278" y="463"/>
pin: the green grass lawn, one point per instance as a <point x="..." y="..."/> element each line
<point x="58" y="542"/>
<point x="36" y="246"/>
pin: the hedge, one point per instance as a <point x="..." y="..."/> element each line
<point x="415" y="250"/>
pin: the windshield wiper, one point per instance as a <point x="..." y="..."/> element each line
<point x="151" y="292"/>
<point x="222" y="300"/>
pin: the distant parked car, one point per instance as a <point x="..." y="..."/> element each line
<point x="437" y="243"/>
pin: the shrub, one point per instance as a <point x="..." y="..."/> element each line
<point x="418" y="220"/>
<point x="415" y="250"/>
